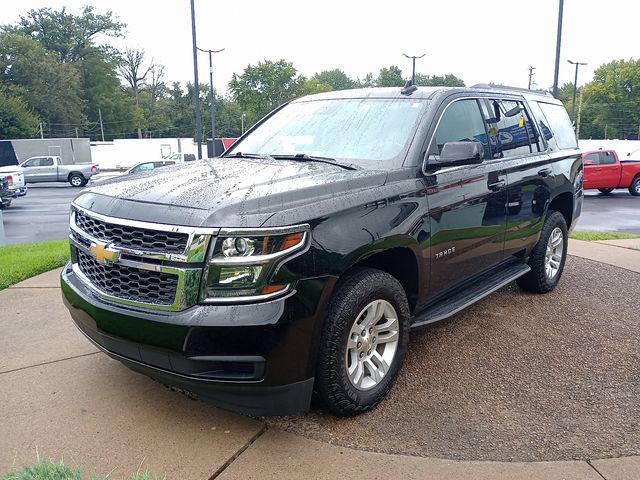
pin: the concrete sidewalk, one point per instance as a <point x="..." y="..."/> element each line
<point x="61" y="398"/>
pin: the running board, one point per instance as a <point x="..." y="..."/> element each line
<point x="484" y="286"/>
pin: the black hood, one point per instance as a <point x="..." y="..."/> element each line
<point x="225" y="192"/>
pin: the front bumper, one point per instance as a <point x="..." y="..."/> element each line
<point x="257" y="359"/>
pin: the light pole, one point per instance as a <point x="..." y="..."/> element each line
<point x="575" y="88"/>
<point x="558" y="41"/>
<point x="213" y="98"/>
<point x="413" y="57"/>
<point x="242" y="117"/>
<point x="531" y="74"/>
<point x="196" y="85"/>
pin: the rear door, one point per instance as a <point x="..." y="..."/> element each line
<point x="466" y="203"/>
<point x="48" y="170"/>
<point x="516" y="139"/>
<point x="601" y="170"/>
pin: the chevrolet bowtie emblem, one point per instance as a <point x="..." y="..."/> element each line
<point x="104" y="254"/>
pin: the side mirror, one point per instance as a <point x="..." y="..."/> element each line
<point x="457" y="153"/>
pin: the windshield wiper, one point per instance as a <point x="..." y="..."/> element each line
<point x="303" y="157"/>
<point x="259" y="156"/>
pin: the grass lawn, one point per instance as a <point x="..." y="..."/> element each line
<point x="48" y="470"/>
<point x="24" y="260"/>
<point x="590" y="235"/>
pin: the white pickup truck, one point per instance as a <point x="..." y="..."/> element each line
<point x="51" y="169"/>
<point x="15" y="184"/>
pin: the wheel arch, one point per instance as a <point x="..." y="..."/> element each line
<point x="563" y="203"/>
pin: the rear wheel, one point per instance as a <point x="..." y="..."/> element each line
<point x="363" y="342"/>
<point x="634" y="188"/>
<point x="77" y="180"/>
<point x="5" y="203"/>
<point x="548" y="256"/>
<point x="606" y="191"/>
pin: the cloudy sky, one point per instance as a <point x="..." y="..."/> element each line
<point x="491" y="41"/>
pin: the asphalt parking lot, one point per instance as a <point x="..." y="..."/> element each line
<point x="569" y="389"/>
<point x="43" y="213"/>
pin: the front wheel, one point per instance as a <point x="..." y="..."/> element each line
<point x="634" y="188"/>
<point x="548" y="256"/>
<point x="77" y="180"/>
<point x="363" y="343"/>
<point x="606" y="191"/>
<point x="5" y="203"/>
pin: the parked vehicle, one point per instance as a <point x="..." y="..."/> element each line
<point x="146" y="166"/>
<point x="51" y="169"/>
<point x="15" y="178"/>
<point x="297" y="264"/>
<point x="606" y="172"/>
<point x="181" y="157"/>
<point x="5" y="195"/>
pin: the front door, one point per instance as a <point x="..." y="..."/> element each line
<point x="601" y="170"/>
<point x="466" y="203"/>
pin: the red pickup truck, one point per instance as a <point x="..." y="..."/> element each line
<point x="604" y="170"/>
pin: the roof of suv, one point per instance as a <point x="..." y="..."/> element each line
<point x="427" y="92"/>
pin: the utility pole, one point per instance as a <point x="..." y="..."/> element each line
<point x="41" y="131"/>
<point x="77" y="132"/>
<point x="242" y="117"/>
<point x="101" y="127"/>
<point x="579" y="113"/>
<point x="213" y="98"/>
<point x="606" y="127"/>
<point x="413" y="58"/>
<point x="575" y="88"/>
<point x="558" y="42"/>
<point x="531" y="74"/>
<point x="196" y="84"/>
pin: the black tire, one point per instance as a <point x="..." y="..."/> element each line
<point x="77" y="180"/>
<point x="537" y="280"/>
<point x="5" y="204"/>
<point x="333" y="389"/>
<point x="606" y="191"/>
<point x="634" y="188"/>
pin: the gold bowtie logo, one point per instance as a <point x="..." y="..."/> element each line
<point x="104" y="254"/>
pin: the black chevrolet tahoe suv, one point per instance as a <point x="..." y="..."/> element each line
<point x="294" y="266"/>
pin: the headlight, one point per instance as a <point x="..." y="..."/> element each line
<point x="242" y="263"/>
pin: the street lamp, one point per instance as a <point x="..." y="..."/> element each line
<point x="242" y="117"/>
<point x="196" y="86"/>
<point x="575" y="88"/>
<point x="413" y="57"/>
<point x="213" y="98"/>
<point x="558" y="41"/>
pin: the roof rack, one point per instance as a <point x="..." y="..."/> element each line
<point x="514" y="89"/>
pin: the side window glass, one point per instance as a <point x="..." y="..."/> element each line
<point x="46" y="162"/>
<point x="509" y="132"/>
<point x="593" y="157"/>
<point x="461" y="122"/>
<point x="560" y="125"/>
<point x="607" y="158"/>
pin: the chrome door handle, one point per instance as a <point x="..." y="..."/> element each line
<point x="495" y="186"/>
<point x="545" y="172"/>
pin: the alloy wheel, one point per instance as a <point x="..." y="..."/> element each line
<point x="553" y="257"/>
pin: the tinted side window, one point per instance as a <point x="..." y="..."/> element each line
<point x="510" y="131"/>
<point x="594" y="157"/>
<point x="607" y="158"/>
<point x="46" y="162"/>
<point x="460" y="122"/>
<point x="560" y="125"/>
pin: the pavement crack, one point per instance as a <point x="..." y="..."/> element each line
<point x="242" y="449"/>
<point x="47" y="363"/>
<point x="596" y="470"/>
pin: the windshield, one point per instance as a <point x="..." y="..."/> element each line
<point x="370" y="133"/>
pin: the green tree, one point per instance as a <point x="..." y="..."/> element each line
<point x="448" y="80"/>
<point x="16" y="120"/>
<point x="51" y="89"/>
<point x="336" y="79"/>
<point x="70" y="36"/>
<point x="390" y="77"/>
<point x="313" y="85"/>
<point x="611" y="101"/>
<point x="261" y="88"/>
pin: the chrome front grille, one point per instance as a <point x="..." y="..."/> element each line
<point x="138" y="264"/>
<point x="131" y="237"/>
<point x="129" y="283"/>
